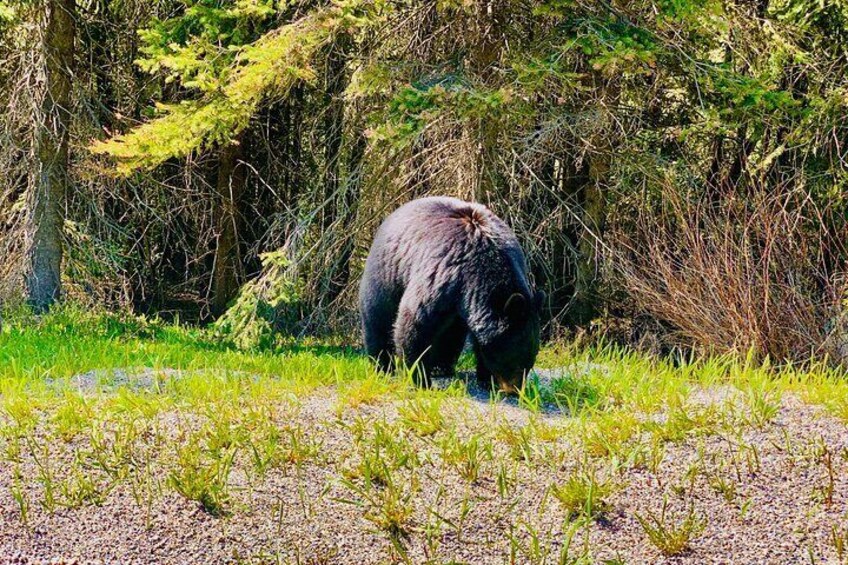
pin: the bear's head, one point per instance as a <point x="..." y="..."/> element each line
<point x="509" y="353"/>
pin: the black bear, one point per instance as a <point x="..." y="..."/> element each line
<point x="440" y="269"/>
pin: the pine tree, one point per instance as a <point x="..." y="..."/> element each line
<point x="50" y="180"/>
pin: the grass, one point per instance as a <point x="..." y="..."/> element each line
<point x="584" y="494"/>
<point x="70" y="342"/>
<point x="467" y="457"/>
<point x="390" y="506"/>
<point x="203" y="477"/>
<point x="839" y="540"/>
<point x="422" y="415"/>
<point x="170" y="410"/>
<point x="608" y="433"/>
<point x="669" y="536"/>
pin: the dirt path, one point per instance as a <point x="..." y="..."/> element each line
<point x="459" y="481"/>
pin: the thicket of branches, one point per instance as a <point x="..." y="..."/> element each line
<point x="676" y="159"/>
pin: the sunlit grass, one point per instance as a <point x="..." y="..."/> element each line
<point x="229" y="409"/>
<point x="70" y="341"/>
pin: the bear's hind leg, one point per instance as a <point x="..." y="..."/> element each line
<point x="380" y="347"/>
<point x="379" y="344"/>
<point x="378" y="318"/>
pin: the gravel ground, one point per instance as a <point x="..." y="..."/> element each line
<point x="783" y="508"/>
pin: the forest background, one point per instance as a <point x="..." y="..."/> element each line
<point x="675" y="169"/>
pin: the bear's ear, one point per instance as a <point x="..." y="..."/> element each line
<point x="516" y="306"/>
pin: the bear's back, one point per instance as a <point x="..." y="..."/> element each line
<point x="438" y="235"/>
<point x="444" y="219"/>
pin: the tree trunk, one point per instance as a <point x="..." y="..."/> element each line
<point x="571" y="298"/>
<point x="488" y="49"/>
<point x="553" y="262"/>
<point x="592" y="209"/>
<point x="593" y="204"/>
<point x="227" y="271"/>
<point x="49" y="183"/>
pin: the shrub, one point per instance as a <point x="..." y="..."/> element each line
<point x="756" y="271"/>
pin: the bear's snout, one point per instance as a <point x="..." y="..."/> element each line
<point x="510" y="385"/>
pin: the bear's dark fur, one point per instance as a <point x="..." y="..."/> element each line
<point x="440" y="269"/>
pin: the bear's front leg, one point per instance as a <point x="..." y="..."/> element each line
<point x="447" y="347"/>
<point x="485" y="377"/>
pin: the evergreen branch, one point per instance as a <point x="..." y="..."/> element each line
<point x="268" y="68"/>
